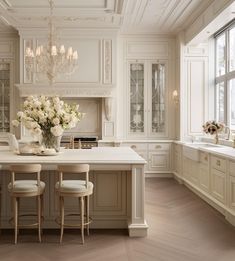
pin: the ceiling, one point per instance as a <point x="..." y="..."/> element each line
<point x="130" y="16"/>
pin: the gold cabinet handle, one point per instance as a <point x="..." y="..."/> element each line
<point x="158" y="147"/>
<point x="133" y="146"/>
<point x="218" y="162"/>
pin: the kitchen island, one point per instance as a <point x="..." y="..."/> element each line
<point x="119" y="187"/>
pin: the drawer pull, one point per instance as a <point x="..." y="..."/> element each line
<point x="218" y="162"/>
<point x="133" y="146"/>
<point x="205" y="158"/>
<point x="158" y="147"/>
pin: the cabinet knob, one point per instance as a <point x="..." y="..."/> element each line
<point x="218" y="162"/>
<point x="133" y="146"/>
<point x="205" y="158"/>
<point x="158" y="147"/>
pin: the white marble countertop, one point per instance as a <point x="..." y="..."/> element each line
<point x="219" y="150"/>
<point x="99" y="155"/>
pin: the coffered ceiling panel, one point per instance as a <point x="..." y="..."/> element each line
<point x="69" y="13"/>
<point x="131" y="16"/>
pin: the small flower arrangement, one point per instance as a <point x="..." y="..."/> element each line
<point x="212" y="127"/>
<point x="47" y="117"/>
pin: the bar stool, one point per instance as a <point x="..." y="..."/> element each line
<point x="23" y="189"/>
<point x="74" y="188"/>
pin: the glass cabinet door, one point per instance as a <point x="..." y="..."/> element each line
<point x="158" y="98"/>
<point x="4" y="97"/>
<point x="136" y="76"/>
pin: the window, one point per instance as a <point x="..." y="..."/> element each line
<point x="225" y="75"/>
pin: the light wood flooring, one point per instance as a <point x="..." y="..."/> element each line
<point x="182" y="227"/>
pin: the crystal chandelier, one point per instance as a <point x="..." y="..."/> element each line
<point x="51" y="59"/>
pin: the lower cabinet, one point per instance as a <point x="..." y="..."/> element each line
<point x="218" y="185"/>
<point x="204" y="172"/>
<point x="157" y="155"/>
<point x="232" y="192"/>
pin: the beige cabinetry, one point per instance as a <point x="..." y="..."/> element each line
<point x="218" y="178"/>
<point x="231" y="185"/>
<point x="211" y="176"/>
<point x="204" y="172"/>
<point x="157" y="155"/>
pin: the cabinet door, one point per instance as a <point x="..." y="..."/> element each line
<point x="4" y="97"/>
<point x="218" y="185"/>
<point x="159" y="161"/>
<point x="232" y="192"/>
<point x="204" y="177"/>
<point x="157" y="99"/>
<point x="137" y="110"/>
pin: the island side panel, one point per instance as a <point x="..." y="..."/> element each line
<point x="108" y="204"/>
<point x="137" y="224"/>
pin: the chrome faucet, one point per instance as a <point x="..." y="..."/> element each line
<point x="229" y="132"/>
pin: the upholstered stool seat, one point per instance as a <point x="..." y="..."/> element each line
<point x="73" y="186"/>
<point x="80" y="189"/>
<point x="26" y="188"/>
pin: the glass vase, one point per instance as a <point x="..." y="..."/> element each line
<point x="49" y="141"/>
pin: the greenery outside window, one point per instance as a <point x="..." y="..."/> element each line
<point x="225" y="75"/>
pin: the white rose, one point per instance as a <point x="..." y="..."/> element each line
<point x="56" y="121"/>
<point x="20" y="114"/>
<point x="15" y="123"/>
<point x="37" y="131"/>
<point x="57" y="130"/>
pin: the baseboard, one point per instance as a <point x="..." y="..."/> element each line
<point x="159" y="175"/>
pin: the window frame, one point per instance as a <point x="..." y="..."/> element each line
<point x="226" y="77"/>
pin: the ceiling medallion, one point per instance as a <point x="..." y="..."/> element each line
<point x="51" y="59"/>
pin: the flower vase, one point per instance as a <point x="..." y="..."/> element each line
<point x="49" y="141"/>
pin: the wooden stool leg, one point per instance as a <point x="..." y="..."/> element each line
<point x="82" y="218"/>
<point x="39" y="218"/>
<point x="87" y="213"/>
<point x="16" y="218"/>
<point x="62" y="218"/>
<point x="42" y="210"/>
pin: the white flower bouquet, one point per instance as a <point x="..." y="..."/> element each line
<point x="48" y="118"/>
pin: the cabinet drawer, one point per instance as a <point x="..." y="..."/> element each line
<point x="218" y="163"/>
<point x="204" y="158"/>
<point x="232" y="168"/>
<point x="159" y="146"/>
<point x="136" y="146"/>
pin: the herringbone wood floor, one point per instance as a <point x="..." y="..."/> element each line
<point x="182" y="228"/>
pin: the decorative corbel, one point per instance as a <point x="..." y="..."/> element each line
<point x="108" y="108"/>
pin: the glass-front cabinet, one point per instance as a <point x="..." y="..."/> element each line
<point x="147" y="99"/>
<point x="4" y="96"/>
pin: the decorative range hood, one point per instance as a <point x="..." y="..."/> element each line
<point x="65" y="90"/>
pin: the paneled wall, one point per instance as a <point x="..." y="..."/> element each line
<point x="194" y="89"/>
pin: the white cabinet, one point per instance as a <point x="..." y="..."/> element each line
<point x="159" y="156"/>
<point x="218" y="178"/>
<point x="231" y="189"/>
<point x="204" y="172"/>
<point x="147" y="98"/>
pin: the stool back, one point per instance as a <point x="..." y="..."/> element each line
<point x="73" y="169"/>
<point x="25" y="169"/>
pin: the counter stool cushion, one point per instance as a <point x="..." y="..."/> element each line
<point x="24" y="186"/>
<point x="74" y="186"/>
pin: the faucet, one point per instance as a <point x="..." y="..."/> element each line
<point x="229" y="132"/>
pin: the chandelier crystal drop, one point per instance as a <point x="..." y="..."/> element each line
<point x="51" y="59"/>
